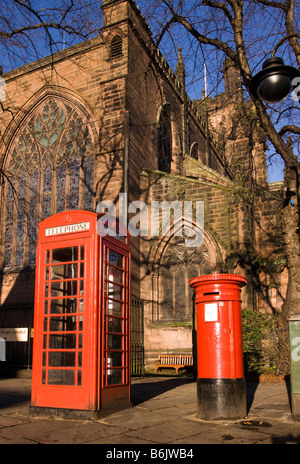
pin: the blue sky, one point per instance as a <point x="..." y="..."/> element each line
<point x="83" y="22"/>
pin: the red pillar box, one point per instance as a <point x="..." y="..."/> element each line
<point x="81" y="358"/>
<point x="221" y="387"/>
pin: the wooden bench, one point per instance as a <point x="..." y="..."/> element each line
<point x="177" y="361"/>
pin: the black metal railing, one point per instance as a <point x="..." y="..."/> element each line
<point x="137" y="337"/>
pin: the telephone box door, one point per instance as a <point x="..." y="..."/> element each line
<point x="63" y="340"/>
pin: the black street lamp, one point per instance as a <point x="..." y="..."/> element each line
<point x="275" y="81"/>
<point x="272" y="85"/>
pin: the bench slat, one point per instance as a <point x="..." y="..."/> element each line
<point x="175" y="361"/>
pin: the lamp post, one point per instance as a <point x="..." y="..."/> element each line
<point x="273" y="84"/>
<point x="275" y="81"/>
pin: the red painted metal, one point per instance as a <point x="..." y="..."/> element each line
<point x="219" y="330"/>
<point x="81" y="356"/>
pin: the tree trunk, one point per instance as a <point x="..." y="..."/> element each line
<point x="290" y="224"/>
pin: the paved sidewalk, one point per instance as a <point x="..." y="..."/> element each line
<point x="163" y="413"/>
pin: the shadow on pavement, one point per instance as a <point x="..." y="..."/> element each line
<point x="251" y="388"/>
<point x="145" y="390"/>
<point x="14" y="391"/>
<point x="9" y="400"/>
<point x="252" y="385"/>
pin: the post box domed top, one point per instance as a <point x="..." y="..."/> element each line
<point x="218" y="278"/>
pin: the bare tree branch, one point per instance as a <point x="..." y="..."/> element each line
<point x="280" y="5"/>
<point x="289" y="129"/>
<point x="203" y="39"/>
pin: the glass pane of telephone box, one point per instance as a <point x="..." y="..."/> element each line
<point x="63" y="315"/>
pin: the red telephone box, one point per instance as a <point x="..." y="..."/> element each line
<point x="220" y="385"/>
<point x="81" y="358"/>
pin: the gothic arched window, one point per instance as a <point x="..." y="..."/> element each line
<point x="165" y="140"/>
<point x="49" y="168"/>
<point x="179" y="264"/>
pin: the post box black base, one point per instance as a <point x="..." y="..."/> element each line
<point x="221" y="399"/>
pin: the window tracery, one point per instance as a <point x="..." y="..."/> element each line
<point x="50" y="168"/>
<point x="178" y="266"/>
<point x="57" y="131"/>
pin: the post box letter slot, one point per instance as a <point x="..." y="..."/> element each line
<point x="211" y="293"/>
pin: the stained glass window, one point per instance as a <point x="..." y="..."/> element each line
<point x="56" y="131"/>
<point x="50" y="165"/>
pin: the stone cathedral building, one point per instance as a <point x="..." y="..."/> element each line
<point x="110" y="116"/>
